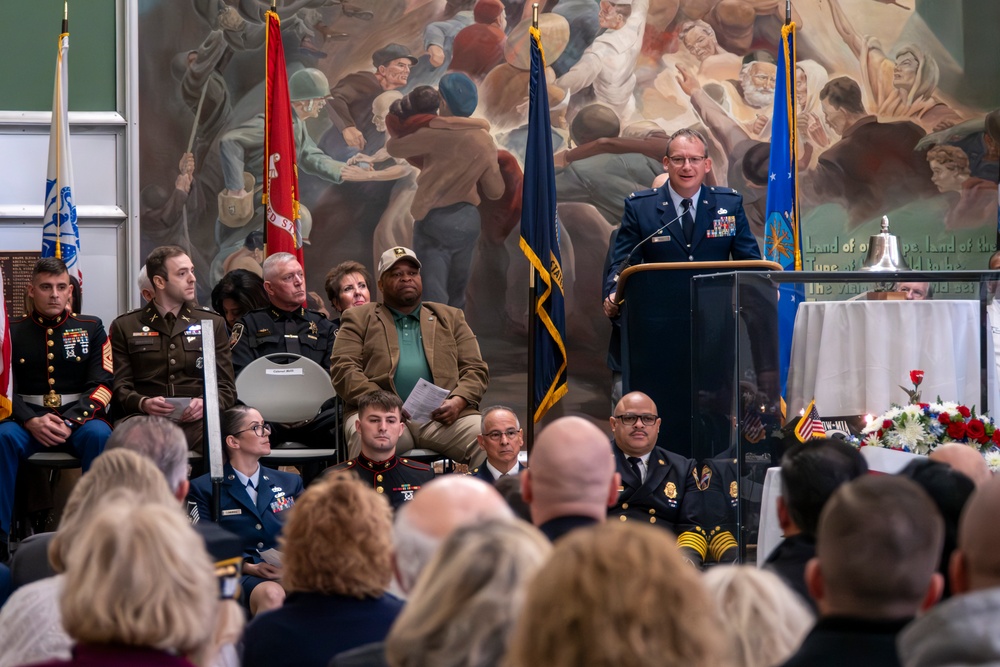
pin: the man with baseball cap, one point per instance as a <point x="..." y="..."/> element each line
<point x="394" y="343"/>
<point x="351" y="98"/>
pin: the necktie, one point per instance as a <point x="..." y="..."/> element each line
<point x="251" y="491"/>
<point x="634" y="461"/>
<point x="170" y="319"/>
<point x="688" y="221"/>
<point x="292" y="345"/>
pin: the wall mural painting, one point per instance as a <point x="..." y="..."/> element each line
<point x="884" y="123"/>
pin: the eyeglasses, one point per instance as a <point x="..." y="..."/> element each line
<point x="496" y="436"/>
<point x="260" y="430"/>
<point x="679" y="161"/>
<point x="628" y="418"/>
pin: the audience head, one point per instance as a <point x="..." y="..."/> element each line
<point x="469" y="596"/>
<point x="50" y="290"/>
<point x="810" y="473"/>
<point x="115" y="469"/>
<point x="284" y="281"/>
<point x="162" y="442"/>
<point x="616" y="594"/>
<point x="338" y="540"/>
<point x="916" y="291"/>
<point x="145" y="285"/>
<point x="380" y="424"/>
<point x="138" y="575"/>
<point x="965" y="459"/>
<point x="949" y="489"/>
<point x="347" y="285"/>
<point x="766" y="620"/>
<point x="237" y="293"/>
<point x="635" y="424"/>
<point x="572" y="472"/>
<point x="509" y="486"/>
<point x="436" y="510"/>
<point x="244" y="432"/>
<point x="172" y="273"/>
<point x="501" y="438"/>
<point x="877" y="549"/>
<point x="399" y="280"/>
<point x="975" y="564"/>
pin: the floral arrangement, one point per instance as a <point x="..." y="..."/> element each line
<point x="922" y="427"/>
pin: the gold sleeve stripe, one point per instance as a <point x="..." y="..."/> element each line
<point x="693" y="541"/>
<point x="102" y="395"/>
<point x="106" y="362"/>
<point x="722" y="543"/>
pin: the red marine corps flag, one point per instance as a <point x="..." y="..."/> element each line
<point x="281" y="178"/>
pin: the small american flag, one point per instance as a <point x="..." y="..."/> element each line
<point x="810" y="426"/>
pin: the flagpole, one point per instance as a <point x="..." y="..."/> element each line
<point x="65" y="25"/>
<point x="532" y="320"/>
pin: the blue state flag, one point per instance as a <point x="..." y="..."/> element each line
<point x="540" y="243"/>
<point x="782" y="241"/>
<point x="60" y="233"/>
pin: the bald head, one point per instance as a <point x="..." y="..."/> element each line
<point x="975" y="565"/>
<point x="571" y="472"/>
<point x="965" y="459"/>
<point x="436" y="510"/>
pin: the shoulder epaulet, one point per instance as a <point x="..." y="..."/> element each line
<point x="416" y="465"/>
<point x="721" y="190"/>
<point x="134" y="310"/>
<point x="345" y="465"/>
<point x="86" y="318"/>
<point x="643" y="193"/>
<point x="472" y="471"/>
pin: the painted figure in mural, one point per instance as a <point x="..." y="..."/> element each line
<point x="249" y="257"/>
<point x="479" y="47"/>
<point x="203" y="85"/>
<point x="977" y="202"/>
<point x="457" y="159"/>
<point x="165" y="215"/>
<point x="438" y="39"/>
<point x="751" y="97"/>
<point x="734" y="21"/>
<point x="351" y="98"/>
<point x="157" y="350"/>
<point x="584" y="26"/>
<point x="873" y="168"/>
<point x="608" y="64"/>
<point x="604" y="179"/>
<point x="714" y="62"/>
<point x="903" y="88"/>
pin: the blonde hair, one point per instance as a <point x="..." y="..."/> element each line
<point x="616" y="594"/>
<point x="114" y="469"/>
<point x="765" y="619"/>
<point x="338" y="540"/>
<point x="468" y="597"/>
<point x="138" y="574"/>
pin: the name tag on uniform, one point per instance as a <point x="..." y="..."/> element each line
<point x="145" y="333"/>
<point x="659" y="239"/>
<point x="231" y="512"/>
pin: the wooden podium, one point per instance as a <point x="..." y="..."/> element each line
<point x="656" y="338"/>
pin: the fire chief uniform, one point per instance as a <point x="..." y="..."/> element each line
<point x="397" y="477"/>
<point x="61" y="366"/>
<point x="157" y="357"/>
<point x="272" y="330"/>
<point x="666" y="497"/>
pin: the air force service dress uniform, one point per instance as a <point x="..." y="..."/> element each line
<point x="398" y="477"/>
<point x="257" y="525"/>
<point x="156" y="358"/>
<point x="668" y="497"/>
<point x="60" y="366"/>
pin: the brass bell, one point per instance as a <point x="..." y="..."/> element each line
<point x="883" y="251"/>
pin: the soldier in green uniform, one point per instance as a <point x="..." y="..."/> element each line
<point x="158" y="354"/>
<point x="380" y="425"/>
<point x="61" y="365"/>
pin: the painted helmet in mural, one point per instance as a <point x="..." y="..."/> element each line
<point x="308" y="84"/>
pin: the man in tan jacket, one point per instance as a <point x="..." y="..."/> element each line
<point x="394" y="343"/>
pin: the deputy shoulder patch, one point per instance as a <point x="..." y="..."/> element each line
<point x="234" y="337"/>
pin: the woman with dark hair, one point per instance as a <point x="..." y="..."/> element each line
<point x="239" y="292"/>
<point x="347" y="285"/>
<point x="253" y="503"/>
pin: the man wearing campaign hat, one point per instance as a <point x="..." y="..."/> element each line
<point x="394" y="343"/>
<point x="351" y="98"/>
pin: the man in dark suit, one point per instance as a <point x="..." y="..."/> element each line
<point x="657" y="486"/>
<point x="877" y="548"/>
<point x="501" y="439"/>
<point x="710" y="224"/>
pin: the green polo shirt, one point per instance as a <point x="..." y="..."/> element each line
<point x="412" y="360"/>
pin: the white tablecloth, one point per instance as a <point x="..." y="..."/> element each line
<point x="879" y="459"/>
<point x="853" y="355"/>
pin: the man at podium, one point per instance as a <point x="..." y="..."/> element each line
<point x="683" y="221"/>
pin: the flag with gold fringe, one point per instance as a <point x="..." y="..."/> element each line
<point x="60" y="231"/>
<point x="810" y="425"/>
<point x="540" y="243"/>
<point x="281" y="178"/>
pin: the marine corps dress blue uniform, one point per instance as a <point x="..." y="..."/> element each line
<point x="397" y="477"/>
<point x="63" y="366"/>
